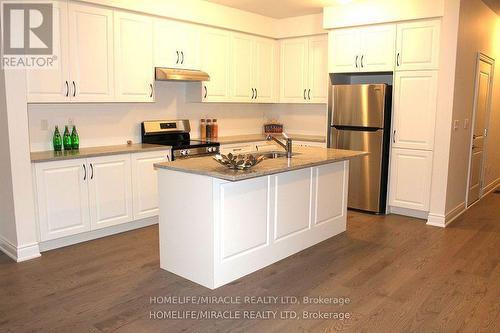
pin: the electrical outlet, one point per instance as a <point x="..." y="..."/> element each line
<point x="44" y="125"/>
<point x="456" y="124"/>
<point x="466" y="123"/>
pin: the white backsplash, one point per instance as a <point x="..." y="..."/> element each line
<point x="115" y="123"/>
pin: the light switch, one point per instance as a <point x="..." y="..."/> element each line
<point x="466" y="123"/>
<point x="456" y="124"/>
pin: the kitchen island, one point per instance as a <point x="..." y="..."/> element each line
<point x="217" y="225"/>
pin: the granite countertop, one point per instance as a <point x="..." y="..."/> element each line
<point x="262" y="137"/>
<point x="304" y="157"/>
<point x="46" y="156"/>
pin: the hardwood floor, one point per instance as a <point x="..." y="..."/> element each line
<point x="400" y="275"/>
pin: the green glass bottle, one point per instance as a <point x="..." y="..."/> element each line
<point x="67" y="139"/>
<point x="57" y="140"/>
<point x="75" y="139"/>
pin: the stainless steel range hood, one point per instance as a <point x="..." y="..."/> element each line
<point x="174" y="74"/>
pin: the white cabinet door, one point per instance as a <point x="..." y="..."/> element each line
<point x="415" y="103"/>
<point x="418" y="45"/>
<point x="134" y="72"/>
<point x="294" y="67"/>
<point x="344" y="50"/>
<point x="52" y="85"/>
<point x="410" y="179"/>
<point x="242" y="68"/>
<point x="91" y="53"/>
<point x="110" y="190"/>
<point x="317" y="91"/>
<point x="176" y="45"/>
<point x="266" y="70"/>
<point x="62" y="198"/>
<point x="145" y="182"/>
<point x="377" y="48"/>
<point x="215" y="52"/>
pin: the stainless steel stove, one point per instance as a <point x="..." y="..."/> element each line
<point x="175" y="133"/>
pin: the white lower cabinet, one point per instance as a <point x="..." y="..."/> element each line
<point x="145" y="183"/>
<point x="62" y="198"/>
<point x="80" y="195"/>
<point x="110" y="191"/>
<point x="410" y="179"/>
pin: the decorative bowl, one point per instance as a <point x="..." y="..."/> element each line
<point x="238" y="162"/>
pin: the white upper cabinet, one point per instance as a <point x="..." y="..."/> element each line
<point x="91" y="53"/>
<point x="418" y="45"/>
<point x="303" y="75"/>
<point x="176" y="45"/>
<point x="134" y="69"/>
<point x="253" y="69"/>
<point x="415" y="104"/>
<point x="410" y="179"/>
<point x="110" y="190"/>
<point x="216" y="61"/>
<point x="377" y="48"/>
<point x="368" y="49"/>
<point x="52" y="85"/>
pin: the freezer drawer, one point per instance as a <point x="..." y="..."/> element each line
<point x="366" y="190"/>
<point x="359" y="105"/>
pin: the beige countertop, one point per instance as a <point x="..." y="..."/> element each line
<point x="303" y="157"/>
<point x="46" y="156"/>
<point x="262" y="137"/>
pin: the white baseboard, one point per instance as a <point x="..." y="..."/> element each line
<point x="408" y="212"/>
<point x="491" y="187"/>
<point x="19" y="253"/>
<point x="91" y="235"/>
<point x="442" y="221"/>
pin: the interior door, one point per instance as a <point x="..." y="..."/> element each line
<point x="480" y="128"/>
<point x="91" y="53"/>
<point x="365" y="173"/>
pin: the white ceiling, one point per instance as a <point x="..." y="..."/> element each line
<point x="278" y="8"/>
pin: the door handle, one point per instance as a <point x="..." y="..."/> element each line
<point x="67" y="88"/>
<point x="84" y="172"/>
<point x="206" y="91"/>
<point x="356" y="61"/>
<point x="253" y="94"/>
<point x="305" y="94"/>
<point x="309" y="94"/>
<point x="74" y="89"/>
<point x="92" y="171"/>
<point x="151" y="89"/>
<point x="182" y="57"/>
<point x="177" y="57"/>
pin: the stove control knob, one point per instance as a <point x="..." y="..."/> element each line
<point x="188" y="152"/>
<point x="183" y="152"/>
<point x="209" y="149"/>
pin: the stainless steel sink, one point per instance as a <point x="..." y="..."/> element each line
<point x="275" y="154"/>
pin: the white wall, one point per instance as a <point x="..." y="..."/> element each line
<point x="479" y="31"/>
<point x="309" y="119"/>
<point x="114" y="123"/>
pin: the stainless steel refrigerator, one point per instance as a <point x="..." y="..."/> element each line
<point x="359" y="119"/>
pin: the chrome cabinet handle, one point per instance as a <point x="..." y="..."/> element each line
<point x="362" y="60"/>
<point x="206" y="91"/>
<point x="309" y="94"/>
<point x="305" y="94"/>
<point x="357" y="61"/>
<point x="253" y="94"/>
<point x="67" y="88"/>
<point x="84" y="172"/>
<point x="177" y="57"/>
<point x="74" y="89"/>
<point x="182" y="57"/>
<point x="92" y="170"/>
<point x="151" y="89"/>
<point x="397" y="60"/>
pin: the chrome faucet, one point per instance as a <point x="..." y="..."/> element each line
<point x="287" y="146"/>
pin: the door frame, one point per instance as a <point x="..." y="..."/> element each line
<point x="481" y="57"/>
